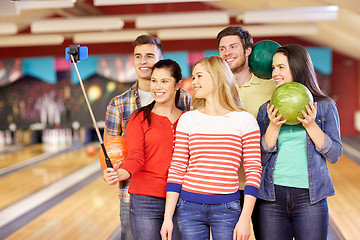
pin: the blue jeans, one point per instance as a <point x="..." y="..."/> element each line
<point x="293" y="216"/>
<point x="196" y="219"/>
<point x="126" y="233"/>
<point x="147" y="216"/>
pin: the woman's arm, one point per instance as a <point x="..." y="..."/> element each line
<point x="243" y="228"/>
<point x="327" y="140"/>
<point x="112" y="177"/>
<point x="135" y="156"/>
<point x="177" y="171"/>
<point x="314" y="131"/>
<point x="170" y="205"/>
<point x="180" y="159"/>
<point x="263" y="122"/>
<point x="273" y="130"/>
<point x="135" y="143"/>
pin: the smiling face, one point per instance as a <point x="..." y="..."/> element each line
<point x="202" y="82"/>
<point x="281" y="70"/>
<point x="145" y="56"/>
<point x="232" y="51"/>
<point x="163" y="86"/>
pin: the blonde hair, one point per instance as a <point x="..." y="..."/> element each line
<point x="225" y="94"/>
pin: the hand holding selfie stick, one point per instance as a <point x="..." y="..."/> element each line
<point x="73" y="52"/>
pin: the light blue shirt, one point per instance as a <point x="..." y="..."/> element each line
<point x="291" y="163"/>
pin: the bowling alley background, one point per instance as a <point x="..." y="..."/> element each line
<point x="44" y="93"/>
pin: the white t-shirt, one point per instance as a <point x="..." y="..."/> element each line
<point x="145" y="98"/>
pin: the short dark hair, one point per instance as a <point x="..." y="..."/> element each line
<point x="302" y="68"/>
<point x="245" y="36"/>
<point x="148" y="39"/>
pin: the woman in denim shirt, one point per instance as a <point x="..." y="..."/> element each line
<point x="296" y="181"/>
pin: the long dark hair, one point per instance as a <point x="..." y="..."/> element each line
<point x="302" y="68"/>
<point x="175" y="72"/>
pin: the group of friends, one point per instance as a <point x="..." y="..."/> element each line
<point x="222" y="163"/>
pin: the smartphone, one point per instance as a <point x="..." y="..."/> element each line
<point x="79" y="53"/>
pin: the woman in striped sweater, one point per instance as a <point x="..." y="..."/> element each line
<point x="211" y="141"/>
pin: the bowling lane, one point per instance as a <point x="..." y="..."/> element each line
<point x="90" y="213"/>
<point x="19" y="184"/>
<point x="344" y="206"/>
<point x="10" y="158"/>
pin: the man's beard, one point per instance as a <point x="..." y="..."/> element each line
<point x="240" y="67"/>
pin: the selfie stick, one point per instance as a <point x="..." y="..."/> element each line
<point x="107" y="159"/>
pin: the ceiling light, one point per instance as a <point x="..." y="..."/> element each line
<point x="256" y="31"/>
<point x="77" y="24"/>
<point x="189" y="33"/>
<point x="8" y="8"/>
<point x="107" y="37"/>
<point x="31" y="40"/>
<point x="182" y="19"/>
<point x="45" y="4"/>
<point x="8" y="28"/>
<point x="131" y="2"/>
<point x="280" y="30"/>
<point x="290" y="15"/>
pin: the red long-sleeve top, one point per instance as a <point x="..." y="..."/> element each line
<point x="150" y="150"/>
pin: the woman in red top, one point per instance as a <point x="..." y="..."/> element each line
<point x="150" y="136"/>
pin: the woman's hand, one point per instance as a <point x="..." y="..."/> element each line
<point x="274" y="120"/>
<point x="167" y="229"/>
<point x="111" y="176"/>
<point x="309" y="116"/>
<point x="116" y="166"/>
<point x="242" y="229"/>
<point x="272" y="131"/>
<point x="314" y="131"/>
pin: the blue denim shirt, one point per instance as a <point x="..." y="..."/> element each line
<point x="320" y="183"/>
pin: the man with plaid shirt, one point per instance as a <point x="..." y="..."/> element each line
<point x="147" y="51"/>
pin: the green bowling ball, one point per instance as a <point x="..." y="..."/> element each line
<point x="260" y="59"/>
<point x="290" y="98"/>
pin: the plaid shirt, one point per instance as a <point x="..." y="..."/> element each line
<point x="118" y="113"/>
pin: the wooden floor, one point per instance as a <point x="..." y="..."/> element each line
<point x="91" y="210"/>
<point x="91" y="213"/>
<point x="29" y="180"/>
<point x="344" y="207"/>
<point x="11" y="158"/>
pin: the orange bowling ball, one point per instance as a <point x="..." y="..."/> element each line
<point x="90" y="150"/>
<point x="115" y="149"/>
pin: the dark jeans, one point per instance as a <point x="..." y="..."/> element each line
<point x="196" y="219"/>
<point x="126" y="233"/>
<point x="293" y="216"/>
<point x="147" y="216"/>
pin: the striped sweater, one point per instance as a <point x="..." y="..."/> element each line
<point x="207" y="155"/>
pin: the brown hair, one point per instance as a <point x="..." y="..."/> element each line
<point x="246" y="39"/>
<point x="148" y="39"/>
